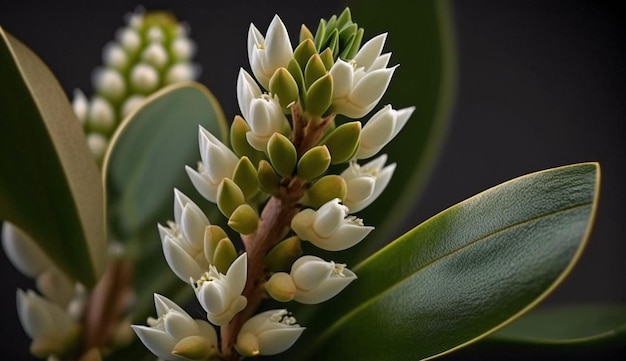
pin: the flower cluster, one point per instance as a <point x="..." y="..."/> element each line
<point x="275" y="190"/>
<point x="151" y="51"/>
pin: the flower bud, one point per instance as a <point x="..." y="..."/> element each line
<point x="324" y="190"/>
<point x="56" y="286"/>
<point x="245" y="176"/>
<point x="131" y="103"/>
<point x="114" y="56"/>
<point x="182" y="72"/>
<point x="173" y="325"/>
<point x="268" y="333"/>
<point x="296" y="72"/>
<point x="129" y="39"/>
<point x="314" y="70"/>
<point x="224" y="255"/>
<point x="343" y="142"/>
<point x="330" y="228"/>
<point x="305" y="34"/>
<point x="380" y="129"/>
<point x="239" y="142"/>
<point x="101" y="117"/>
<point x="314" y="162"/>
<point x="98" y="145"/>
<point x="303" y="52"/>
<point x="319" y="96"/>
<point x="282" y="154"/>
<point x="110" y="83"/>
<point x="280" y="287"/>
<point x="266" y="118"/>
<point x="365" y="183"/>
<point x="327" y="58"/>
<point x="155" y="55"/>
<point x="229" y="197"/>
<point x="80" y="105"/>
<point x="219" y="294"/>
<point x="195" y="348"/>
<point x="182" y="48"/>
<point x="244" y="219"/>
<point x="284" y="86"/>
<point x="270" y="53"/>
<point x="268" y="179"/>
<point x="212" y="236"/>
<point x="316" y="280"/>
<point x="282" y="256"/>
<point x="144" y="78"/>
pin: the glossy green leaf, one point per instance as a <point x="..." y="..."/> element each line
<point x="145" y="162"/>
<point x="422" y="42"/>
<point x="462" y="274"/>
<point x="50" y="185"/>
<point x="566" y="325"/>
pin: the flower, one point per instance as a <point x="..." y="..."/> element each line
<point x="317" y="280"/>
<point x="266" y="54"/>
<point x="268" y="333"/>
<point x="262" y="112"/>
<point x="330" y="228"/>
<point x="365" y="183"/>
<point x="220" y="295"/>
<point x="52" y="329"/>
<point x="359" y="84"/>
<point x="171" y="326"/>
<point x="381" y="129"/>
<point x="183" y="239"/>
<point x="218" y="162"/>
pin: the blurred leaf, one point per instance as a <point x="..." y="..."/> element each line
<point x="461" y="274"/>
<point x="146" y="160"/>
<point x="422" y="42"/>
<point x="50" y="185"/>
<point x="566" y="325"/>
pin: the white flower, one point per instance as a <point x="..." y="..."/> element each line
<point x="156" y="55"/>
<point x="365" y="183"/>
<point x="359" y="84"/>
<point x="317" y="280"/>
<point x="268" y="333"/>
<point x="330" y="228"/>
<point x="183" y="240"/>
<point x="23" y="252"/>
<point x="266" y="54"/>
<point x="101" y="115"/>
<point x="129" y="39"/>
<point x="218" y="162"/>
<point x="183" y="48"/>
<point x="80" y="105"/>
<point x="262" y="112"/>
<point x="220" y="295"/>
<point x="52" y="330"/>
<point x="113" y="55"/>
<point x="109" y="82"/>
<point x="144" y="78"/>
<point x="172" y="325"/>
<point x="182" y="72"/>
<point x="381" y="129"/>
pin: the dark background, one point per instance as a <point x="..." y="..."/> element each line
<point x="540" y="84"/>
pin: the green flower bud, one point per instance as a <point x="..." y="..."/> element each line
<point x="305" y="34"/>
<point x="282" y="154"/>
<point x="325" y="189"/>
<point x="245" y="176"/>
<point x="225" y="254"/>
<point x="319" y="96"/>
<point x="304" y="52"/>
<point x="340" y="34"/>
<point x="333" y="41"/>
<point x="229" y="197"/>
<point x="244" y="219"/>
<point x="327" y="58"/>
<point x="284" y="86"/>
<point x="268" y="179"/>
<point x="281" y="287"/>
<point x="320" y="34"/>
<point x="194" y="348"/>
<point x="240" y="144"/>
<point x="282" y="256"/>
<point x="296" y="72"/>
<point x="212" y="236"/>
<point x="314" y="162"/>
<point x="314" y="70"/>
<point x="353" y="46"/>
<point x="343" y="142"/>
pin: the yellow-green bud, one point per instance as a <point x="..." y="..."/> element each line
<point x="343" y="142"/>
<point x="194" y="348"/>
<point x="319" y="95"/>
<point x="327" y="58"/>
<point x="268" y="179"/>
<point x="304" y="52"/>
<point x="212" y="236"/>
<point x="284" y="86"/>
<point x="239" y="143"/>
<point x="282" y="256"/>
<point x="229" y="197"/>
<point x="225" y="254"/>
<point x="325" y="189"/>
<point x="314" y="162"/>
<point x="247" y="345"/>
<point x="314" y="70"/>
<point x="305" y="34"/>
<point x="296" y="72"/>
<point x="244" y="219"/>
<point x="245" y="176"/>
<point x="281" y="287"/>
<point x="282" y="154"/>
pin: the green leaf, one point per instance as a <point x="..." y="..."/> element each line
<point x="462" y="274"/>
<point x="50" y="185"/>
<point x="144" y="163"/>
<point x="422" y="42"/>
<point x="566" y="325"/>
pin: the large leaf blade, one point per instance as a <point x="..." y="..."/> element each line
<point x="465" y="272"/>
<point x="50" y="185"/>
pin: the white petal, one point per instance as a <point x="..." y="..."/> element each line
<point x="358" y="190"/>
<point x="257" y="142"/>
<point x="377" y="132"/>
<point x="345" y="237"/>
<point x="343" y="76"/>
<point x="302" y="224"/>
<point x="255" y="39"/>
<point x="345" y="107"/>
<point x="259" y="117"/>
<point x="276" y="341"/>
<point x="207" y="331"/>
<point x="193" y="224"/>
<point x="278" y="48"/>
<point x="247" y="89"/>
<point x="382" y="180"/>
<point x="368" y="91"/>
<point x="181" y="263"/>
<point x="23" y="252"/>
<point x="163" y="304"/>
<point x="380" y="62"/>
<point x="158" y="342"/>
<point x="179" y="325"/>
<point x="212" y="296"/>
<point x="238" y="273"/>
<point x="328" y="218"/>
<point x="309" y="272"/>
<point x="370" y="51"/>
<point x="202" y="184"/>
<point x="326" y="290"/>
<point x="403" y="116"/>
